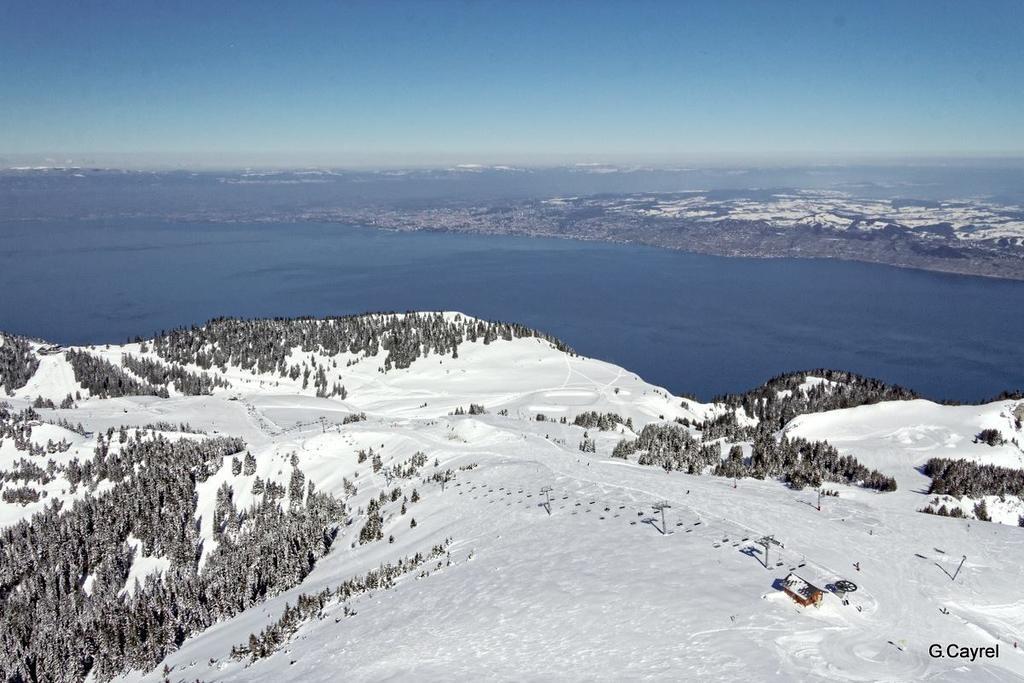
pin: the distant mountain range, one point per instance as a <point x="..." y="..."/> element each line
<point x="967" y="236"/>
<point x="967" y="220"/>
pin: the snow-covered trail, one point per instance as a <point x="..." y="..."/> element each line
<point x="53" y="380"/>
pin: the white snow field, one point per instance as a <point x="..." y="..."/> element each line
<point x="898" y="436"/>
<point x="590" y="589"/>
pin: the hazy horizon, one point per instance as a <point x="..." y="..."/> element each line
<point x="397" y="85"/>
<point x="256" y="162"/>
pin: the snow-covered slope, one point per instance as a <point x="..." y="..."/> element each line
<point x="588" y="587"/>
<point x="898" y="437"/>
<point x="595" y="591"/>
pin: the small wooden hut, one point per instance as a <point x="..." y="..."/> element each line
<point x="802" y="592"/>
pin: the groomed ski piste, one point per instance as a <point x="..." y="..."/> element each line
<point x="592" y="584"/>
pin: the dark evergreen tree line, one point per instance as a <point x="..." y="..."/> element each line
<point x="672" y="447"/>
<point x="624" y="448"/>
<point x="51" y="628"/>
<point x="803" y="463"/>
<point x="602" y="421"/>
<point x="17" y="426"/>
<point x="848" y="391"/>
<point x="966" y="478"/>
<point x="17" y="363"/>
<point x="21" y="495"/>
<point x="41" y="402"/>
<point x="106" y="380"/>
<point x="726" y="426"/>
<point x="407" y="469"/>
<point x="159" y="374"/>
<point x="264" y="345"/>
<point x="796" y="461"/>
<point x="991" y="437"/>
<point x="953" y="510"/>
<point x="27" y="470"/>
<point x="163" y="426"/>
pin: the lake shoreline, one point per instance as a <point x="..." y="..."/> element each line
<point x="695" y="323"/>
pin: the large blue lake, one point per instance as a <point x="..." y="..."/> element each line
<point x="693" y="323"/>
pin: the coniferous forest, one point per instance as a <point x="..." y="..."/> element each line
<point x="265" y="344"/>
<point x="67" y="611"/>
<point x="17" y="363"/>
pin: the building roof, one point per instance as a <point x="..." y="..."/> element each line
<point x="801" y="587"/>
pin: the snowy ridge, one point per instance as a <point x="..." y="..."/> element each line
<point x="968" y="219"/>
<point x="592" y="585"/>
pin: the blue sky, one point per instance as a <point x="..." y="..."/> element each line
<point x="409" y="83"/>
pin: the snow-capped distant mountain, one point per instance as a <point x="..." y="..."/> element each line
<point x="432" y="496"/>
<point x="966" y="219"/>
<point x="944" y="219"/>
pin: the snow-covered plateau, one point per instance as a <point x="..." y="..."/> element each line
<point x="489" y="505"/>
